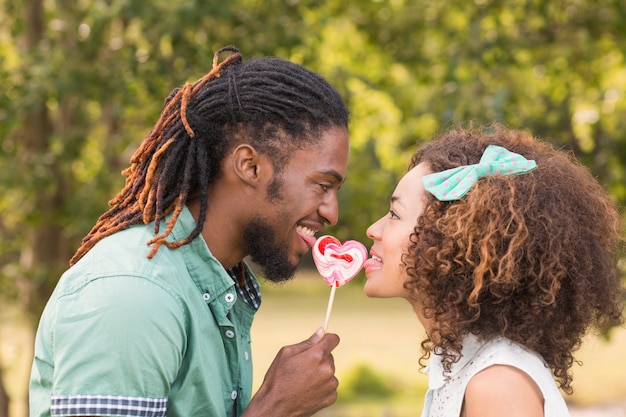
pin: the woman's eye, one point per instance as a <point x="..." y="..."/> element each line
<point x="393" y="215"/>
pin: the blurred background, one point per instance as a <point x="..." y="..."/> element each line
<point x="83" y="81"/>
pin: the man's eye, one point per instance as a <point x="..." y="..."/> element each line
<point x="325" y="187"/>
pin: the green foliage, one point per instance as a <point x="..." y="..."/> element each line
<point x="364" y="382"/>
<point x="85" y="83"/>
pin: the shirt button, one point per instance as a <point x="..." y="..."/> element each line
<point x="229" y="298"/>
<point x="206" y="296"/>
<point x="233" y="395"/>
<point x="229" y="334"/>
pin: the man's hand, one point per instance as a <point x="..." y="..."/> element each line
<point x="300" y="381"/>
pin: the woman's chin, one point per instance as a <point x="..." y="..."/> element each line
<point x="368" y="292"/>
<point x="372" y="292"/>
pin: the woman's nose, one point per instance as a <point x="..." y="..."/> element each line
<point x="373" y="232"/>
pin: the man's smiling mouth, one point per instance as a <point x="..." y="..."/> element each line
<point x="308" y="235"/>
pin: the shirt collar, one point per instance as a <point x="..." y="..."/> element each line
<point x="436" y="377"/>
<point x="206" y="271"/>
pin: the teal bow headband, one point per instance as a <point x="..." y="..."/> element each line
<point x="452" y="184"/>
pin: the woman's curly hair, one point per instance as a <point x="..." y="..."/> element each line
<point x="533" y="257"/>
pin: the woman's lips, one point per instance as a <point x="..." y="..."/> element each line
<point x="373" y="264"/>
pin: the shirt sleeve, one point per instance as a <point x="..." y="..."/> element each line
<point x="119" y="343"/>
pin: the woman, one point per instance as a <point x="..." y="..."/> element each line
<point x="507" y="250"/>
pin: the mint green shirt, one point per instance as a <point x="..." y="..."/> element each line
<point x="123" y="335"/>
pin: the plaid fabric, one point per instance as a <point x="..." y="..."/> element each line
<point x="107" y="405"/>
<point x="250" y="291"/>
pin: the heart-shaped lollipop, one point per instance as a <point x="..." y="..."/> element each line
<point x="337" y="263"/>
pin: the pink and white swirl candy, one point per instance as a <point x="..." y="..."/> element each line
<point x="338" y="263"/>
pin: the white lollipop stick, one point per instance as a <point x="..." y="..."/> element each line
<point x="330" y="306"/>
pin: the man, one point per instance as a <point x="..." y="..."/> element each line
<point x="153" y="317"/>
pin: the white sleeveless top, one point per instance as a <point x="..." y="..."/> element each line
<point x="444" y="397"/>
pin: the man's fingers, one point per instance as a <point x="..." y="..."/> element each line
<point x="329" y="342"/>
<point x="317" y="336"/>
<point x="310" y="342"/>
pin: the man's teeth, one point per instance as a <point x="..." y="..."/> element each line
<point x="376" y="258"/>
<point x="305" y="230"/>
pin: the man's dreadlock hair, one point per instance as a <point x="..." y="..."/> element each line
<point x="276" y="105"/>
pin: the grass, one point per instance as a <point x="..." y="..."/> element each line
<point x="385" y="335"/>
<point x="381" y="335"/>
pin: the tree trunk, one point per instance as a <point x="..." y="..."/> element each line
<point x="4" y="398"/>
<point x="41" y="253"/>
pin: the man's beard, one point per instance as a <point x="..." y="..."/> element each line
<point x="269" y="253"/>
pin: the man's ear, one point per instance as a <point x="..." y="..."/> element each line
<point x="248" y="164"/>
